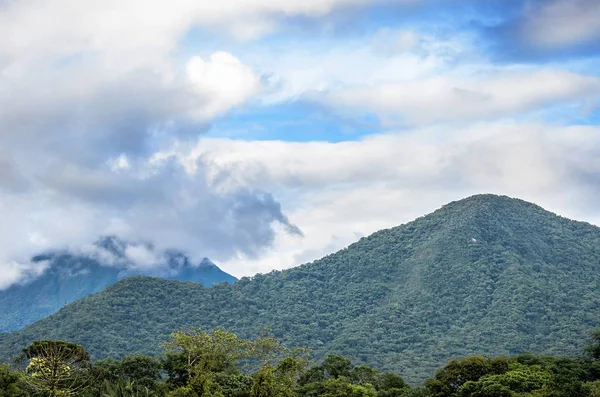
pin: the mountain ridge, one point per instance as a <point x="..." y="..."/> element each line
<point x="484" y="275"/>
<point x="71" y="276"/>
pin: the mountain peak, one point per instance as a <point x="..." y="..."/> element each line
<point x="490" y="213"/>
<point x="71" y="276"/>
<point x="484" y="275"/>
<point x="205" y="262"/>
<point x="492" y="202"/>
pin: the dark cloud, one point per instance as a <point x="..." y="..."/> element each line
<point x="81" y="143"/>
<point x="166" y="205"/>
<point x="11" y="178"/>
<point x="544" y="30"/>
<point x="132" y="116"/>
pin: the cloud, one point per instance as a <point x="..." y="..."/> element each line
<point x="338" y="192"/>
<point x="562" y="23"/>
<point x="142" y="257"/>
<point x="11" y="178"/>
<point x="87" y="115"/>
<point x="224" y="80"/>
<point x="134" y="31"/>
<point x="382" y="57"/>
<point x="446" y="98"/>
<point x="103" y="109"/>
<point x="547" y="30"/>
<point x="20" y="272"/>
<point x="84" y="105"/>
<point x="69" y="206"/>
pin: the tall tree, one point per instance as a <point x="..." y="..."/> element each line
<point x="57" y="368"/>
<point x="214" y="351"/>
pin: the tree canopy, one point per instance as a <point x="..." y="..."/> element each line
<point x="484" y="276"/>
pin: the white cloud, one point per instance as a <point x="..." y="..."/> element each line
<point x="130" y="32"/>
<point x="447" y="98"/>
<point x="385" y="57"/>
<point x="93" y="95"/>
<point x="69" y="207"/>
<point x="20" y="272"/>
<point x="143" y="257"/>
<point x="396" y="41"/>
<point x="223" y="80"/>
<point x="338" y="192"/>
<point x="559" y="23"/>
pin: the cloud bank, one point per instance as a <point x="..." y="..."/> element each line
<point x="153" y="121"/>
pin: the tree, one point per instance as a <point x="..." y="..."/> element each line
<point x="265" y="348"/>
<point x="336" y="366"/>
<point x="336" y="377"/>
<point x="280" y="381"/>
<point x="143" y="370"/>
<point x="234" y="385"/>
<point x="207" y="352"/>
<point x="363" y="374"/>
<point x="391" y="385"/>
<point x="203" y="355"/>
<point x="10" y="382"/>
<point x="341" y="387"/>
<point x="456" y="373"/>
<point x="264" y="382"/>
<point x="57" y="368"/>
<point x="176" y="365"/>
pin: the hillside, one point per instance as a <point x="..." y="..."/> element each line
<point x="484" y="275"/>
<point x="71" y="276"/>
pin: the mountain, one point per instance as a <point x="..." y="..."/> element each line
<point x="484" y="275"/>
<point x="70" y="277"/>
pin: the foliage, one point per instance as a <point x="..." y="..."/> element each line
<point x="487" y="276"/>
<point x="207" y="352"/>
<point x="214" y="364"/>
<point x="57" y="368"/>
<point x="11" y="383"/>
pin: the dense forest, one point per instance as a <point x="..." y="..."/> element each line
<point x="196" y="363"/>
<point x="487" y="275"/>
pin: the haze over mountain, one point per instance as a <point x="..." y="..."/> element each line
<point x="484" y="275"/>
<point x="70" y="276"/>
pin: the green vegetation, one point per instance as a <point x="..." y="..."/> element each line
<point x="197" y="363"/>
<point x="486" y="276"/>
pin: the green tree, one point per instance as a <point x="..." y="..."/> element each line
<point x="234" y="385"/>
<point x="280" y="381"/>
<point x="363" y="374"/>
<point x="207" y="352"/>
<point x="57" y="368"/>
<point x="391" y="385"/>
<point x="336" y="366"/>
<point x="175" y="363"/>
<point x="456" y="373"/>
<point x="11" y="383"/>
<point x="342" y="387"/>
<point x="143" y="370"/>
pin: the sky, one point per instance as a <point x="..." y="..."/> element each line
<point x="264" y="134"/>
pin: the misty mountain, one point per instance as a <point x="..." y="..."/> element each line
<point x="70" y="276"/>
<point x="484" y="275"/>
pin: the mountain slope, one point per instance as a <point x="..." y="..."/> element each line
<point x="484" y="275"/>
<point x="70" y="277"/>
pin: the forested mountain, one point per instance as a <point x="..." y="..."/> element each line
<point x="72" y="276"/>
<point x="484" y="275"/>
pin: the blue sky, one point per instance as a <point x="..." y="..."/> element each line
<point x="264" y="134"/>
<point x="465" y="39"/>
